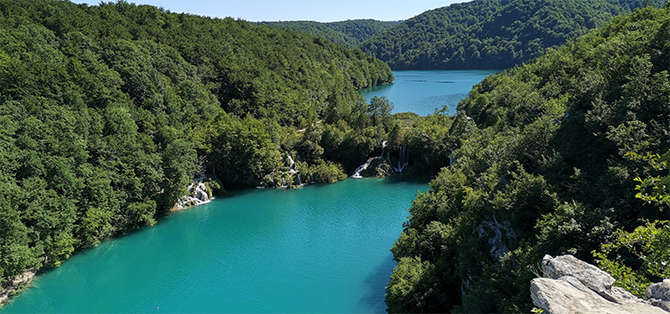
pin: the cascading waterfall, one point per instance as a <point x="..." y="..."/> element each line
<point x="198" y="194"/>
<point x="291" y="163"/>
<point x="291" y="172"/>
<point x="282" y="177"/>
<point x="403" y="159"/>
<point x="357" y="173"/>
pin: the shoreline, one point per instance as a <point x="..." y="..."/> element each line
<point x="18" y="282"/>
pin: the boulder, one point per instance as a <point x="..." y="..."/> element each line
<point x="568" y="265"/>
<point x="573" y="286"/>
<point x="658" y="294"/>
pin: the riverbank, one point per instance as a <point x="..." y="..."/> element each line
<point x="18" y="283"/>
<point x="240" y="252"/>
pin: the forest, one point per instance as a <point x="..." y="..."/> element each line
<point x="110" y="111"/>
<point x="566" y="154"/>
<point x="491" y="34"/>
<point x="350" y="33"/>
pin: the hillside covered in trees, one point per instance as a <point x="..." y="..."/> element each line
<point x="350" y="33"/>
<point x="108" y="112"/>
<point x="557" y="156"/>
<point x="491" y="34"/>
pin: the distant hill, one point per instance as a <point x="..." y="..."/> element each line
<point x="491" y="34"/>
<point x="350" y="33"/>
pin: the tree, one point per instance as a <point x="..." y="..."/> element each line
<point x="380" y="109"/>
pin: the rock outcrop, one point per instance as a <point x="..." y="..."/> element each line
<point x="658" y="294"/>
<point x="573" y="286"/>
<point x="16" y="284"/>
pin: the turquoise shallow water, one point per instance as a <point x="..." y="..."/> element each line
<point x="424" y="91"/>
<point x="318" y="249"/>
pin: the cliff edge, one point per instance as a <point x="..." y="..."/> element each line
<point x="570" y="285"/>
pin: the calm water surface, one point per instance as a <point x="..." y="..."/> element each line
<point x="317" y="249"/>
<point x="424" y="91"/>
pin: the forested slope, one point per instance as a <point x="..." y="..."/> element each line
<point x="107" y="113"/>
<point x="350" y="33"/>
<point x="548" y="165"/>
<point x="491" y="34"/>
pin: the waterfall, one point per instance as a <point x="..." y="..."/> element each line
<point x="384" y="145"/>
<point x="290" y="161"/>
<point x="282" y="177"/>
<point x="197" y="194"/>
<point x="426" y="158"/>
<point x="403" y="159"/>
<point x="357" y="173"/>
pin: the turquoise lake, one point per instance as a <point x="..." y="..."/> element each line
<point x="318" y="249"/>
<point x="424" y="91"/>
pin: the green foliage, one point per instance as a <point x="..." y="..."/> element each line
<point x="638" y="258"/>
<point x="350" y="33"/>
<point x="545" y="157"/>
<point x="108" y="112"/>
<point x="491" y="34"/>
<point x="407" y="289"/>
<point x="654" y="189"/>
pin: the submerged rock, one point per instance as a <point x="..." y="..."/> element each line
<point x="574" y="286"/>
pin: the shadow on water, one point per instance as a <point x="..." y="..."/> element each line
<point x="375" y="286"/>
<point x="374" y="88"/>
<point x="399" y="178"/>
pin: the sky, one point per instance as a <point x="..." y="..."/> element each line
<point x="291" y="10"/>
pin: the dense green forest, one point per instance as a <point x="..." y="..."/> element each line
<point x="108" y="112"/>
<point x="350" y="33"/>
<point x="491" y="34"/>
<point x="561" y="155"/>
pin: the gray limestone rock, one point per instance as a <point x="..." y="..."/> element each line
<point x="658" y="294"/>
<point x="659" y="290"/>
<point x="574" y="286"/>
<point x="661" y="304"/>
<point x="588" y="274"/>
<point x="566" y="296"/>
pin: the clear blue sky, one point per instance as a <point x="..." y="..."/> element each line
<point x="289" y="10"/>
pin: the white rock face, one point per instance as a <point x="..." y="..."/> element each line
<point x="568" y="265"/>
<point x="574" y="286"/>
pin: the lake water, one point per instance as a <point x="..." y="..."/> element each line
<point x="424" y="91"/>
<point x="318" y="249"/>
